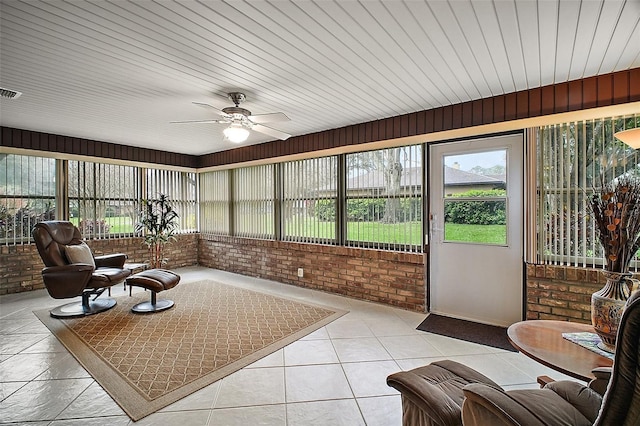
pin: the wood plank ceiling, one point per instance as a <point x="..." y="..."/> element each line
<point x="120" y="71"/>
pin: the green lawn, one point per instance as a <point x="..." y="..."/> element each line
<point x="483" y="234"/>
<point x="376" y="232"/>
<point x="396" y="233"/>
<point x="117" y="224"/>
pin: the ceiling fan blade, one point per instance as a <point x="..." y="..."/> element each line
<point x="271" y="132"/>
<point x="269" y="118"/>
<point x="201" y="121"/>
<point x="218" y="111"/>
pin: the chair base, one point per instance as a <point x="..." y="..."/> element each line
<point x="77" y="309"/>
<point x="149" y="307"/>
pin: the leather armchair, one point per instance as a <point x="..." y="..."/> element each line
<point x="64" y="279"/>
<point x="567" y="402"/>
<point x="464" y="399"/>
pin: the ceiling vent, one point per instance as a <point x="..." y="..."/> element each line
<point x="9" y="94"/>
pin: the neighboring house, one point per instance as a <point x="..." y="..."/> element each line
<point x="456" y="181"/>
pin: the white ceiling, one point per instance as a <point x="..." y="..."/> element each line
<point x="120" y="71"/>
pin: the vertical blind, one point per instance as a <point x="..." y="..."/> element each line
<point x="384" y="199"/>
<point x="181" y="190"/>
<point x="27" y="195"/>
<point x="254" y="202"/>
<point x="309" y="200"/>
<point x="103" y="198"/>
<point x="215" y="203"/>
<point x="574" y="158"/>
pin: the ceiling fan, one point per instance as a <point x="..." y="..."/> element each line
<point x="241" y="121"/>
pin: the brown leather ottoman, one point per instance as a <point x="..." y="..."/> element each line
<point x="154" y="280"/>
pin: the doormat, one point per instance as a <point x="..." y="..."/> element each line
<point x="483" y="334"/>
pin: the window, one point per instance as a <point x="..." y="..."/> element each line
<point x="309" y="201"/>
<point x="475" y="197"/>
<point x="181" y="190"/>
<point x="27" y="195"/>
<point x="253" y="201"/>
<point x="103" y="198"/>
<point x="215" y="203"/>
<point x="573" y="158"/>
<point x="384" y="199"/>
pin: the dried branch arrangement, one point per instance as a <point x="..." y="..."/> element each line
<point x="615" y="208"/>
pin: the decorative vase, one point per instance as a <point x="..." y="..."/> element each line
<point x="607" y="305"/>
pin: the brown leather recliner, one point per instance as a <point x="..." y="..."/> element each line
<point x="558" y="403"/>
<point x="63" y="279"/>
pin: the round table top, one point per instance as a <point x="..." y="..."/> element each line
<point x="542" y="340"/>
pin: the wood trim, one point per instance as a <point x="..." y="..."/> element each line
<point x="28" y="139"/>
<point x="601" y="91"/>
<point x="604" y="90"/>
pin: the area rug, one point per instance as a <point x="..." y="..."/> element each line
<point x="489" y="335"/>
<point x="146" y="362"/>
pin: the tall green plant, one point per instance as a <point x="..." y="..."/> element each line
<point x="158" y="223"/>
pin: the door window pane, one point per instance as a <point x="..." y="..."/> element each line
<point x="475" y="197"/>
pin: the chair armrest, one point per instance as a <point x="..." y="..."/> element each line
<point x="599" y="384"/>
<point x="110" y="260"/>
<point x="544" y="380"/>
<point x="426" y="396"/>
<point x="67" y="281"/>
<point x="585" y="400"/>
<point x="485" y="405"/>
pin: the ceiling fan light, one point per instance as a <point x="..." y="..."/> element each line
<point x="236" y="134"/>
<point x="631" y="137"/>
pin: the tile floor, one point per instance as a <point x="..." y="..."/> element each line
<point x="334" y="376"/>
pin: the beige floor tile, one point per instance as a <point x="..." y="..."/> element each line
<point x="175" y="418"/>
<point x="275" y="359"/>
<point x="15" y="343"/>
<point x="345" y="327"/>
<point x="309" y="352"/>
<point x="360" y="349"/>
<point x="319" y="334"/>
<point x="252" y="386"/>
<point x="316" y="382"/>
<point x="28" y="366"/>
<point x="48" y="344"/>
<point x="98" y="421"/>
<point x="370" y="378"/>
<point x="449" y="346"/>
<point x="341" y="412"/>
<point x="264" y="415"/>
<point x="381" y="410"/>
<point x="66" y="367"/>
<point x="413" y="346"/>
<point x="7" y="388"/>
<point x="41" y="400"/>
<point x="93" y="402"/>
<point x="203" y="399"/>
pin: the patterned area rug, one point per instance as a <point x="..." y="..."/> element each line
<point x="146" y="362"/>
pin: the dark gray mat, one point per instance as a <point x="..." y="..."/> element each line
<point x="489" y="335"/>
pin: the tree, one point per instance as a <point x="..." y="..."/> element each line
<point x="391" y="164"/>
<point x="96" y="188"/>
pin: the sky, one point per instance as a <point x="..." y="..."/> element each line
<point x="483" y="159"/>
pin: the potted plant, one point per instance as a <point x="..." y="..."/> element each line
<point x="615" y="209"/>
<point x="158" y="223"/>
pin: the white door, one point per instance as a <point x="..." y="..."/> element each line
<point x="476" y="229"/>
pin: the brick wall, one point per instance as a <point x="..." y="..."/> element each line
<point x="391" y="278"/>
<point x="561" y="292"/>
<point x="21" y="266"/>
<point x="397" y="279"/>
